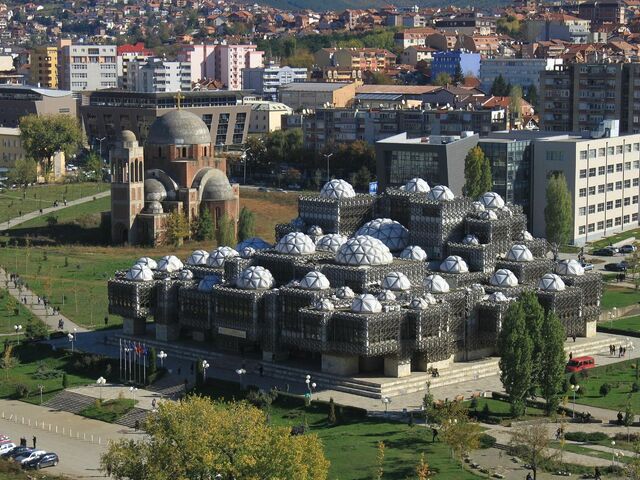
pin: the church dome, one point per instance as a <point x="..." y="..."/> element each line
<point x="217" y="187"/>
<point x="128" y="138"/>
<point x="178" y="127"/>
<point x="154" y="190"/>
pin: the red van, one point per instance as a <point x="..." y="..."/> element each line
<point x="578" y="364"/>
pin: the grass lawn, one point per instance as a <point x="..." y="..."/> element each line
<point x="615" y="239"/>
<point x="624" y="326"/>
<point x="615" y="296"/>
<point x="270" y="208"/>
<point x="12" y="202"/>
<point x="108" y="411"/>
<point x="8" y="318"/>
<point x="501" y="410"/>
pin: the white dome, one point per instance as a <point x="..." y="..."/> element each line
<point x="478" y="206"/>
<point x="498" y="297"/>
<point x="185" y="275"/>
<point x="148" y="262"/>
<point x="337" y="189"/>
<point x="550" y="282"/>
<point x="247" y="252"/>
<point x="488" y="215"/>
<point x="417" y="185"/>
<point x="208" y="282"/>
<point x="323" y="304"/>
<point x="569" y="267"/>
<point x="254" y="278"/>
<point x="139" y="273"/>
<point x="430" y="299"/>
<point x="503" y="278"/>
<point x="386" y="296"/>
<point x="440" y="193"/>
<point x="454" y="264"/>
<point x="198" y="257"/>
<point x="296" y="243"/>
<point x="363" y="251"/>
<point x="314" y="281"/>
<point x="388" y="231"/>
<point x="330" y="242"/>
<point x="315" y="231"/>
<point x="220" y="255"/>
<point x="418" y="303"/>
<point x="436" y="284"/>
<point x="344" y="292"/>
<point x="525" y="236"/>
<point x="255" y="242"/>
<point x="396" y="281"/>
<point x="170" y="264"/>
<point x="366" y="303"/>
<point x="520" y="253"/>
<point x="492" y="200"/>
<point x="470" y="239"/>
<point x="414" y="252"/>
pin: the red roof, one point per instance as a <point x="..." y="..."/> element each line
<point x="134" y="48"/>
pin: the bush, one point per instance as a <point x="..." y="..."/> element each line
<point x="586" y="436"/>
<point x="492" y="420"/>
<point x="487" y="441"/>
<point x="635" y="388"/>
<point x="22" y="390"/>
<point x="36" y="330"/>
<point x="573" y="380"/>
<point x="65" y="381"/>
<point x="605" y="388"/>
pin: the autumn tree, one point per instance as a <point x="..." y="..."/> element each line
<point x="93" y="166"/>
<point x="176" y="228"/>
<point x="533" y="442"/>
<point x="457" y="430"/>
<point x="442" y="79"/>
<point x="515" y="104"/>
<point x="199" y="438"/>
<point x="226" y="231"/>
<point x="558" y="214"/>
<point x="8" y="360"/>
<point x="477" y="173"/>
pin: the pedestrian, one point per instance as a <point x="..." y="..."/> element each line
<point x="34" y="442"/>
<point x="434" y="435"/>
<point x="106" y="320"/>
<point x="574" y="338"/>
<point x="261" y="369"/>
<point x="570" y="355"/>
<point x="620" y="351"/>
<point x="153" y="403"/>
<point x="136" y="425"/>
<point x="596" y="474"/>
<point x="529" y="477"/>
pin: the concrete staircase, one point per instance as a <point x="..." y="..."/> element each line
<point x="70" y="402"/>
<point x="129" y="418"/>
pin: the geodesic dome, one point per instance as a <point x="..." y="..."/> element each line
<point x="386" y="296"/>
<point x="488" y="215"/>
<point x="170" y="264"/>
<point x="429" y="298"/>
<point x="139" y="273"/>
<point x="198" y="257"/>
<point x="364" y="250"/>
<point x="296" y="243"/>
<point x="148" y="262"/>
<point x="314" y="280"/>
<point x="247" y="252"/>
<point x="393" y="234"/>
<point x="366" y="303"/>
<point x="315" y="231"/>
<point x="208" y="282"/>
<point x="413" y="252"/>
<point x="418" y="303"/>
<point x="492" y="200"/>
<point x="550" y="282"/>
<point x="569" y="267"/>
<point x="503" y="278"/>
<point x="330" y="242"/>
<point x="470" y="239"/>
<point x="498" y="297"/>
<point x="185" y="274"/>
<point x="219" y="255"/>
<point x="519" y="253"/>
<point x="254" y="278"/>
<point x="525" y="236"/>
<point x="417" y="185"/>
<point x="436" y="284"/>
<point x="440" y="193"/>
<point x="254" y="242"/>
<point x="478" y="206"/>
<point x="344" y="292"/>
<point x="454" y="264"/>
<point x="323" y="304"/>
<point x="337" y="189"/>
<point x="396" y="281"/>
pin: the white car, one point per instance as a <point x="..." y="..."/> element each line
<point x="30" y="456"/>
<point x="5" y="447"/>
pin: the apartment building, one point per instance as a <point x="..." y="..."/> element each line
<point x="317" y="94"/>
<point x="158" y="75"/>
<point x="44" y="67"/>
<point x="468" y="24"/>
<point x="603" y="174"/>
<point x="600" y="12"/>
<point x="266" y="81"/>
<point x="231" y="60"/>
<point x="363" y="59"/>
<point x="516" y="71"/>
<point x="453" y="62"/>
<point x="87" y="67"/>
<point x="127" y="53"/>
<point x="11" y="148"/>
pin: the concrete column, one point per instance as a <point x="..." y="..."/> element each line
<point x="340" y="364"/>
<point x="371" y="364"/>
<point x="167" y="333"/>
<point x="396" y="367"/>
<point x="134" y="326"/>
<point x="591" y="329"/>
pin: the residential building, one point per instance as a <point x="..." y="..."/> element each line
<point x="317" y="94"/>
<point x="16" y="101"/>
<point x="485" y="45"/>
<point x="467" y="24"/>
<point x="438" y="158"/>
<point x="127" y="53"/>
<point x="44" y="67"/>
<point x="515" y="71"/>
<point x="441" y="41"/>
<point x="558" y="26"/>
<point x="412" y="55"/>
<point x="454" y="62"/>
<point x="412" y="37"/>
<point x="600" y="12"/>
<point x="267" y="116"/>
<point x="87" y="67"/>
<point x="11" y="148"/>
<point x="107" y="113"/>
<point x="231" y="60"/>
<point x="603" y="175"/>
<point x="266" y="81"/>
<point x="363" y="59"/>
<point x="202" y="59"/>
<point x="158" y="75"/>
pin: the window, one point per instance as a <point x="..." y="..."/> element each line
<point x="627" y="165"/>
<point x="592" y="190"/>
<point x="592" y="209"/>
<point x="618" y="185"/>
<point x="600" y="225"/>
<point x="601" y="170"/>
<point x="610" y="205"/>
<point x="592" y="172"/>
<point x="619" y="149"/>
<point x="601" y="188"/>
<point x="618" y="221"/>
<point x="634" y="217"/>
<point x="619" y="203"/>
<point x="601" y="152"/>
<point x="610" y="168"/>
<point x="627" y="201"/>
<point x="636" y="147"/>
<point x="636" y="164"/>
<point x="627" y="184"/>
<point x="609" y="223"/>
<point x="634" y="199"/>
<point x="592" y="153"/>
<point x="610" y="150"/>
<point x="591" y="227"/>
<point x="582" y="192"/>
<point x="554" y="156"/>
<point x="618" y="167"/>
<point x="582" y="211"/>
<point x="601" y="207"/>
<point x="581" y="230"/>
<point x="583" y="173"/>
<point x="583" y="154"/>
<point x="636" y="182"/>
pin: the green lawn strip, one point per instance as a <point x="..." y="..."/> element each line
<point x="615" y="239"/>
<point x="69" y="214"/>
<point x="12" y="202"/>
<point x="615" y="296"/>
<point x="8" y="317"/>
<point x="109" y="410"/>
<point x="623" y="326"/>
<point x="583" y="449"/>
<point x="501" y="410"/>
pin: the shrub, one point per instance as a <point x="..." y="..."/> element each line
<point x="492" y="419"/>
<point x="487" y="441"/>
<point x="565" y="385"/>
<point x="22" y="390"/>
<point x="331" y="417"/>
<point x="573" y="380"/>
<point x="586" y="436"/>
<point x="65" y="381"/>
<point x="605" y="388"/>
<point x="635" y="387"/>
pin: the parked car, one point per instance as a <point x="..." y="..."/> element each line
<point x="627" y="248"/>
<point x="605" y="252"/>
<point x="616" y="267"/>
<point x="6" y="447"/>
<point x="587" y="266"/>
<point x="30" y="456"/>
<point x="578" y="364"/>
<point x="16" y="452"/>
<point x="47" y="460"/>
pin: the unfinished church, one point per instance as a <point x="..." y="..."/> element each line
<point x="410" y="279"/>
<point x="176" y="171"/>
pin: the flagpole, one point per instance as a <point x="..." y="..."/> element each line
<point x="144" y="365"/>
<point x="120" y="357"/>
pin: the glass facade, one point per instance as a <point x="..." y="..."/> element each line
<point x="402" y="165"/>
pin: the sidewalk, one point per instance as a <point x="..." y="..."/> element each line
<point x="45" y="211"/>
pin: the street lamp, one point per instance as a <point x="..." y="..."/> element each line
<point x="244" y="163"/>
<point x="41" y="388"/>
<point x="386" y="401"/>
<point x="100" y="382"/>
<point x="17" y="328"/>
<point x="205" y="365"/>
<point x="574" y="389"/>
<point x="241" y="372"/>
<point x="613" y="453"/>
<point x="162" y="355"/>
<point x="328" y="156"/>
<point x="133" y="391"/>
<point x="71" y="338"/>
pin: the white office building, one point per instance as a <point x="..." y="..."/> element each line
<point x="516" y="71"/>
<point x="158" y="75"/>
<point x="87" y="67"/>
<point x="268" y="80"/>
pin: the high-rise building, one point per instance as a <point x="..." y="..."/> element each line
<point x="231" y="60"/>
<point x="600" y="12"/>
<point x="87" y="67"/>
<point x="266" y="81"/>
<point x="158" y="75"/>
<point x="515" y="71"/>
<point x="44" y="67"/>
<point x="127" y="53"/>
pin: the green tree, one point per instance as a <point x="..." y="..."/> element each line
<point x="8" y="360"/>
<point x="246" y="224"/>
<point x="477" y="174"/>
<point x="629" y="416"/>
<point x="534" y="318"/>
<point x="36" y="330"/>
<point x="200" y="438"/>
<point x="153" y="359"/>
<point x="380" y="78"/>
<point x="558" y="211"/>
<point x="44" y="135"/>
<point x="331" y="417"/>
<point x="514" y="348"/>
<point x="442" y="79"/>
<point x="531" y="95"/>
<point x="362" y="178"/>
<point x="176" y="228"/>
<point x="94" y="166"/>
<point x="23" y="172"/>
<point x="226" y="231"/>
<point x="205" y="229"/>
<point x="65" y="381"/>
<point x="500" y="88"/>
<point x="515" y="104"/>
<point x="552" y="362"/>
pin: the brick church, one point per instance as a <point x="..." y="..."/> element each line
<point x="176" y="170"/>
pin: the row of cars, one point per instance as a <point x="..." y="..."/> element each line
<point x="612" y="251"/>
<point x="28" y="458"/>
